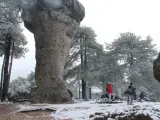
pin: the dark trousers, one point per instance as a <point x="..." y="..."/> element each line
<point x="130" y="99"/>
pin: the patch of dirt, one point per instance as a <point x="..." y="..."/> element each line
<point x="9" y="112"/>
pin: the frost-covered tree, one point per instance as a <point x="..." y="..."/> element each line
<point x="132" y="51"/>
<point x="83" y="58"/>
<point x="134" y="56"/>
<point x="12" y="41"/>
<point x="111" y="71"/>
<point x="21" y="88"/>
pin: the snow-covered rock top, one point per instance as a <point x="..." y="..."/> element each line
<point x="70" y="8"/>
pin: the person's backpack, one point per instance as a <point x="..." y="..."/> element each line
<point x="128" y="91"/>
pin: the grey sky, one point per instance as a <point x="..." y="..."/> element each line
<point x="108" y="18"/>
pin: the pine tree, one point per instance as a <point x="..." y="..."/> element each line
<point x="84" y="53"/>
<point x="12" y="41"/>
<point x="134" y="57"/>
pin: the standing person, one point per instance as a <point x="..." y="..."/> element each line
<point x="134" y="94"/>
<point x="109" y="91"/>
<point x="141" y="96"/>
<point x="129" y="94"/>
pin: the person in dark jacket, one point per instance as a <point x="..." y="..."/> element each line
<point x="130" y="93"/>
<point x="141" y="96"/>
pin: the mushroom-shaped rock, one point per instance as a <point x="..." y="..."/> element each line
<point x="156" y="68"/>
<point x="53" y="23"/>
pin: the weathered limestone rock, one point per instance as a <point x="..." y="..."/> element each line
<point x="53" y="23"/>
<point x="156" y="68"/>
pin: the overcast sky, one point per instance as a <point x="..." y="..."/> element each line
<point x="108" y="18"/>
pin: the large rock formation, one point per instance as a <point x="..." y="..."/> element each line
<point x="156" y="68"/>
<point x="53" y="23"/>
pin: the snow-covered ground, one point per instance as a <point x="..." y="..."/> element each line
<point x="83" y="109"/>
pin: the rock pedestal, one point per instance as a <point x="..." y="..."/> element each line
<point x="53" y="29"/>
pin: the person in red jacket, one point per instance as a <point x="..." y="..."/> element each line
<point x="109" y="90"/>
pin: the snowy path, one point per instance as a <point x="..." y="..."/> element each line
<point x="82" y="110"/>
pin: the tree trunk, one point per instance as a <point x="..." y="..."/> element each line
<point x="11" y="61"/>
<point x="131" y="62"/>
<point x="85" y="71"/>
<point x="103" y="85"/>
<point x="79" y="88"/>
<point x="2" y="76"/>
<point x="82" y="71"/>
<point x="6" y="73"/>
<point x="132" y="74"/>
<point x="90" y="93"/>
<point x="79" y="84"/>
<point x="83" y="89"/>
